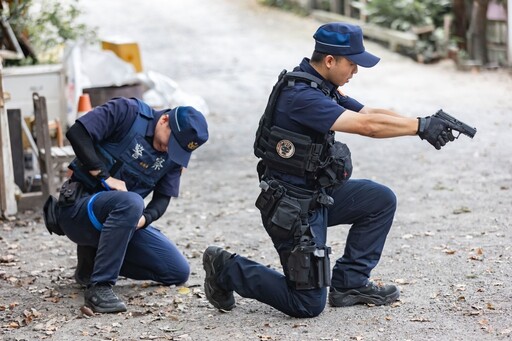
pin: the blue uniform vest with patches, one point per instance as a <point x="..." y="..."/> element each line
<point x="133" y="159"/>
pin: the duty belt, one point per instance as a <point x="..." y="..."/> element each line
<point x="308" y="200"/>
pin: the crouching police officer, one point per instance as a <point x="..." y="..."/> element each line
<point x="305" y="188"/>
<point x="124" y="151"/>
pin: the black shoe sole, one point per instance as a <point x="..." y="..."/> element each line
<point x="353" y="297"/>
<point x="102" y="310"/>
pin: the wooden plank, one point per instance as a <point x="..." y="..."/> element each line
<point x="509" y="25"/>
<point x="63" y="152"/>
<point x="8" y="205"/>
<point x="347" y="8"/>
<point x="30" y="201"/>
<point x="43" y="143"/>
<point x="326" y="17"/>
<point x="18" y="160"/>
<point x="335" y="6"/>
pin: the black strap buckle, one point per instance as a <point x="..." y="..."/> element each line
<point x="325" y="199"/>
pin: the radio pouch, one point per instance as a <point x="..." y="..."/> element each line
<point x="69" y="192"/>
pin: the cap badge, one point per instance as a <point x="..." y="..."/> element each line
<point x="192" y="145"/>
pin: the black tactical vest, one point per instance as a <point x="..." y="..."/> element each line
<point x="284" y="150"/>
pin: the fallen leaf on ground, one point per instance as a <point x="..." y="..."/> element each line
<point x="461" y="210"/>
<point x="420" y="319"/>
<point x="183" y="290"/>
<point x="86" y="311"/>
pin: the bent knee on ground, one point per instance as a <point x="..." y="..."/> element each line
<point x="176" y="276"/>
<point x="308" y="303"/>
<point x="309" y="312"/>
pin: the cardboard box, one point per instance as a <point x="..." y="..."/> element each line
<point x="47" y="80"/>
<point x="127" y="51"/>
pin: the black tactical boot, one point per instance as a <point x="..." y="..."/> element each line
<point x="369" y="294"/>
<point x="214" y="259"/>
<point x="85" y="264"/>
<point x="101" y="299"/>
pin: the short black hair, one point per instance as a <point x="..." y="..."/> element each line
<point x="317" y="57"/>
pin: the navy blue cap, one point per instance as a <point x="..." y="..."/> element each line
<point x="189" y="130"/>
<point x="340" y="39"/>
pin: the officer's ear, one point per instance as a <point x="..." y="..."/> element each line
<point x="329" y="61"/>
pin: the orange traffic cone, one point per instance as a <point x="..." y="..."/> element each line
<point x="84" y="105"/>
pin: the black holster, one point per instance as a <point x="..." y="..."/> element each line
<point x="309" y="265"/>
<point x="50" y="214"/>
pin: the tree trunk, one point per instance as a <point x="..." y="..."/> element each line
<point x="477" y="34"/>
<point x="460" y="22"/>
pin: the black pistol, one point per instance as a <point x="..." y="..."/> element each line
<point x="455" y="124"/>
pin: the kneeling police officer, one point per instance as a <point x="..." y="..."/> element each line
<point x="124" y="151"/>
<point x="305" y="188"/>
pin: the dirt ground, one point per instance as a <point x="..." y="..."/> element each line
<point x="450" y="246"/>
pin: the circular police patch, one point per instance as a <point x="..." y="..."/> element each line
<point x="285" y="149"/>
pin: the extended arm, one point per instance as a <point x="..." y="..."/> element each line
<point x="368" y="110"/>
<point x="381" y="123"/>
<point x="377" y="123"/>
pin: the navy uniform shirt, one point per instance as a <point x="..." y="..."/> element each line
<point x="113" y="120"/>
<point x="307" y="110"/>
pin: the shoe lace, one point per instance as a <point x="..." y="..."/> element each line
<point x="105" y="292"/>
<point x="379" y="286"/>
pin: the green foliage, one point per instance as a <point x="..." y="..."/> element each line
<point x="402" y="15"/>
<point x="285" y="5"/>
<point x="47" y="25"/>
<point x="405" y="15"/>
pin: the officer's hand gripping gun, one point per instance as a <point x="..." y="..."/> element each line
<point x="455" y="124"/>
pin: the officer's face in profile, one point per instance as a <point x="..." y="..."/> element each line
<point x="162" y="134"/>
<point x="340" y="69"/>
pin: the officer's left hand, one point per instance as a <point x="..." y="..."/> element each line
<point x="116" y="184"/>
<point x="142" y="222"/>
<point x="435" y="131"/>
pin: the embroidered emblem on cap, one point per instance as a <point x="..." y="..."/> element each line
<point x="285" y="149"/>
<point x="192" y="145"/>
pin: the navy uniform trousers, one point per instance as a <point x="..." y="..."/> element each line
<point x="369" y="207"/>
<point x="144" y="254"/>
